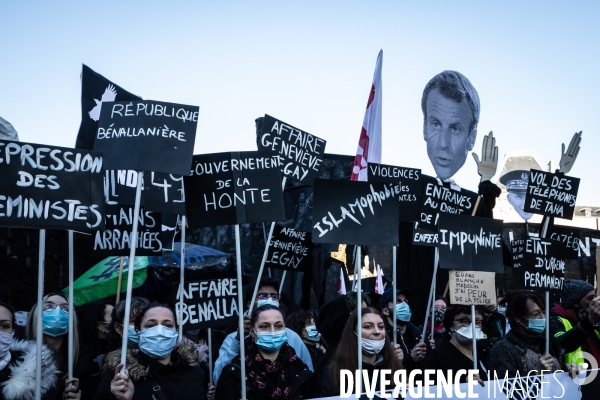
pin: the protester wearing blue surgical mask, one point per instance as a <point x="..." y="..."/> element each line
<point x="266" y="294"/>
<point x="159" y="368"/>
<point x="303" y="323"/>
<point x="55" y="328"/>
<point x="408" y="334"/>
<point x="273" y="370"/>
<point x="522" y="349"/>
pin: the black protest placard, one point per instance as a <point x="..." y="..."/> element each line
<point x="541" y="263"/>
<point x="162" y="193"/>
<point x="234" y="188"/>
<point x="569" y="235"/>
<point x="421" y="237"/>
<point x="147" y="136"/>
<point x="439" y="198"/>
<point x="115" y="240"/>
<point x="299" y="154"/>
<point x="208" y="303"/>
<point x="96" y="90"/>
<point x="551" y="194"/>
<point x="50" y="187"/>
<point x="355" y="212"/>
<point x="409" y="181"/>
<point x="470" y="243"/>
<point x="289" y="249"/>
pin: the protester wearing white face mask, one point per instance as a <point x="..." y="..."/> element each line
<point x="158" y="368"/>
<point x="377" y="351"/>
<point x="18" y="360"/>
<point x="455" y="352"/>
<point x="522" y="349"/>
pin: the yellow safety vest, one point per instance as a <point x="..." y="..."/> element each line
<point x="574" y="357"/>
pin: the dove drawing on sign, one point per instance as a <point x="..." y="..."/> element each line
<point x="109" y="95"/>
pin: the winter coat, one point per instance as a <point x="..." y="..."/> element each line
<point x="324" y="387"/>
<point x="407" y="342"/>
<point x="446" y="357"/>
<point x="178" y="380"/>
<point x="17" y="379"/>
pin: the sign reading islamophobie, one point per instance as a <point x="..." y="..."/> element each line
<point x="147" y="136"/>
<point x="541" y="263"/>
<point x="50" y="187"/>
<point x="162" y="193"/>
<point x="299" y="154"/>
<point x="472" y="287"/>
<point x="409" y="181"/>
<point x="208" y="303"/>
<point x="355" y="212"/>
<point x="289" y="249"/>
<point x="470" y="243"/>
<point x="234" y="188"/>
<point x="439" y="198"/>
<point x="116" y="239"/>
<point x="551" y="194"/>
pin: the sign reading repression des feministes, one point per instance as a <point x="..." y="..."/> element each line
<point x="541" y="262"/>
<point x="551" y="194"/>
<point x="208" y="303"/>
<point x="409" y="181"/>
<point x="234" y="188"/>
<point x="289" y="249"/>
<point x="470" y="243"/>
<point x="355" y="212"/>
<point x="299" y="154"/>
<point x="115" y="240"/>
<point x="147" y="136"/>
<point x="50" y="187"/>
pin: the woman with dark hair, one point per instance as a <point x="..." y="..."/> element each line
<point x="303" y="323"/>
<point x="18" y="363"/>
<point x="116" y="325"/>
<point x="521" y="349"/>
<point x="273" y="370"/>
<point x="55" y="320"/>
<point x="158" y="369"/>
<point x="377" y="352"/>
<point x="455" y="351"/>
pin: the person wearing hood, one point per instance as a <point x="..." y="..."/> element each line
<point x="268" y="293"/>
<point x="159" y="368"/>
<point x="575" y="321"/>
<point x="408" y="334"/>
<point x="55" y="329"/>
<point x="455" y="352"/>
<point x="18" y="363"/>
<point x="522" y="349"/>
<point x="273" y="370"/>
<point x="378" y="353"/>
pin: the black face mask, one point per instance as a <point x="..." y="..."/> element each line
<point x="582" y="314"/>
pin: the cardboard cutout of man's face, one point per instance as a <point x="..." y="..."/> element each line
<point x="447" y="131"/>
<point x="516" y="198"/>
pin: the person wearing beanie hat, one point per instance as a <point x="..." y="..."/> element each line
<point x="575" y="321"/>
<point x="408" y="335"/>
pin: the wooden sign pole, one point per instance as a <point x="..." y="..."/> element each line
<point x="431" y="291"/>
<point x="282" y="280"/>
<point x="474" y="335"/>
<point x="542" y="236"/>
<point x="181" y="276"/>
<point x="131" y="263"/>
<point x="238" y="256"/>
<point x="210" y="356"/>
<point x="71" y="310"/>
<point x="358" y="262"/>
<point x="40" y="306"/>
<point x="120" y="283"/>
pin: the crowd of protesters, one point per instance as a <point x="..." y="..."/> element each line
<point x="288" y="355"/>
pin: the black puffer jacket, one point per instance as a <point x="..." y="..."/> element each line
<point x="178" y="380"/>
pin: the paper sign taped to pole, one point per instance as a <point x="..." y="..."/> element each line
<point x="472" y="288"/>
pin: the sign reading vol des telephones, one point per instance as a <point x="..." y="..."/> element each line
<point x="50" y="187"/>
<point x="147" y="136"/>
<point x="551" y="194"/>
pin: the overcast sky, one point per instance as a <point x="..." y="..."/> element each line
<point x="534" y="64"/>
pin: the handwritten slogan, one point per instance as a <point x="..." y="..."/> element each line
<point x="355" y="212"/>
<point x="541" y="263"/>
<point x="234" y="188"/>
<point x="50" y="187"/>
<point x="208" y="303"/>
<point x="409" y="182"/>
<point x="470" y="243"/>
<point x="472" y="287"/>
<point x="550" y="194"/>
<point x="289" y="249"/>
<point x="147" y="136"/>
<point x="299" y="154"/>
